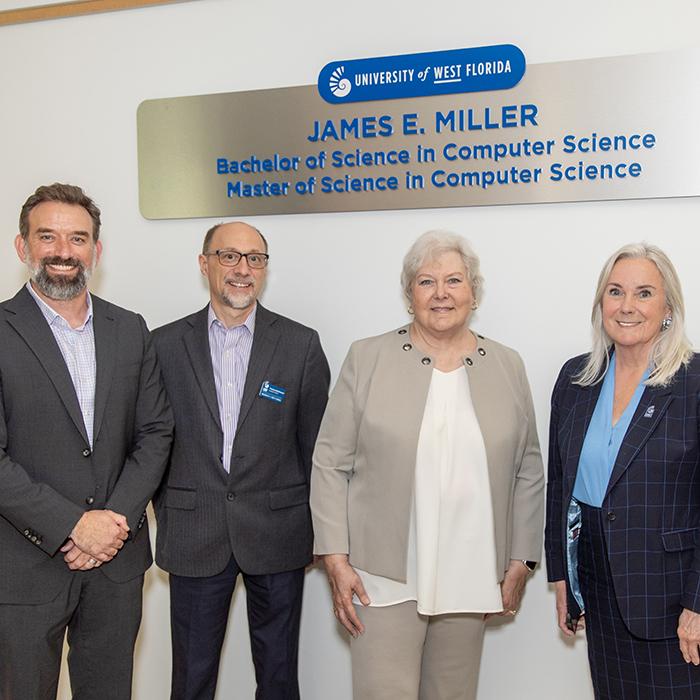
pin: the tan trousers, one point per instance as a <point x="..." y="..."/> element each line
<point x="407" y="656"/>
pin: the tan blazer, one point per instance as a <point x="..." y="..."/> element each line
<point x="365" y="456"/>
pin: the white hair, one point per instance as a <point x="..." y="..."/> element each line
<point x="430" y="246"/>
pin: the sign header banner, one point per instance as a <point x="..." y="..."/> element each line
<point x="422" y="74"/>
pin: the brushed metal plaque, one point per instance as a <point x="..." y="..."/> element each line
<point x="595" y="129"/>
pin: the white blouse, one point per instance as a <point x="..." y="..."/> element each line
<point x="451" y="546"/>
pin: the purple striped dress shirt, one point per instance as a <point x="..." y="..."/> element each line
<point x="230" y="354"/>
<point x="77" y="346"/>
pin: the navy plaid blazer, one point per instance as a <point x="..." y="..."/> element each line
<point x="651" y="507"/>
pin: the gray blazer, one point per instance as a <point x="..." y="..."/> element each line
<point x="260" y="510"/>
<point x="364" y="462"/>
<point x="48" y="472"/>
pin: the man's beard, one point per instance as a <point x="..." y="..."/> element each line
<point x="241" y="300"/>
<point x="60" y="287"/>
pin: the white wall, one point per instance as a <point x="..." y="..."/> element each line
<point x="69" y="90"/>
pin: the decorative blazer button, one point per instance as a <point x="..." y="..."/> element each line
<point x="408" y="347"/>
<point x="402" y="331"/>
<point x="482" y="352"/>
<point x="86" y="452"/>
<point x="230" y="495"/>
<point x="89" y="500"/>
<point x="38" y="543"/>
<point x="33" y="538"/>
<point x="469" y="361"/>
<point x="611" y="515"/>
<point x="426" y="360"/>
<point x="27" y="533"/>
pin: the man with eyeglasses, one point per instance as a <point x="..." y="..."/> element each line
<point x="248" y="389"/>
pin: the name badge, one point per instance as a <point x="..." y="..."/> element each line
<point x="270" y="391"/>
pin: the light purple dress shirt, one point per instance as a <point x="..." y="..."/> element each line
<point x="230" y="354"/>
<point x="77" y="346"/>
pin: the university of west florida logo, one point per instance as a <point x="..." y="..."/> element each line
<point x="338" y="85"/>
<point x="422" y="74"/>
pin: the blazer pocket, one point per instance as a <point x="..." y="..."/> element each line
<point x="679" y="540"/>
<point x="183" y="499"/>
<point x="288" y="497"/>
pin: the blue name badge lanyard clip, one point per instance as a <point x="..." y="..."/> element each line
<point x="270" y="391"/>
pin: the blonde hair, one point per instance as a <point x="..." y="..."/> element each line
<point x="670" y="351"/>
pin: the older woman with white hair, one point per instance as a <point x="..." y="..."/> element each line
<point x="427" y="487"/>
<point x="623" y="508"/>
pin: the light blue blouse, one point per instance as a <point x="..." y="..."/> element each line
<point x="603" y="440"/>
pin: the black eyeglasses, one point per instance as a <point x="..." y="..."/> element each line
<point x="231" y="258"/>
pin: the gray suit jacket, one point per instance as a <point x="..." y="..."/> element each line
<point x="365" y="457"/>
<point x="260" y="510"/>
<point x="48" y="472"/>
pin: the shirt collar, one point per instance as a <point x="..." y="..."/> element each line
<point x="249" y="323"/>
<point x="51" y="314"/>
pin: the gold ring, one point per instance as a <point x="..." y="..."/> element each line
<point x="512" y="612"/>
<point x="93" y="561"/>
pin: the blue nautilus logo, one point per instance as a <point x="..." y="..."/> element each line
<point x="421" y="74"/>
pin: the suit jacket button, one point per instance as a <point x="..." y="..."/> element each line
<point x="38" y="542"/>
<point x="402" y="331"/>
<point x="33" y="538"/>
<point x="407" y="346"/>
<point x="27" y="533"/>
<point x="611" y="515"/>
<point x="469" y="361"/>
<point x="230" y="495"/>
<point x="86" y="452"/>
<point x="426" y="360"/>
<point x="89" y="500"/>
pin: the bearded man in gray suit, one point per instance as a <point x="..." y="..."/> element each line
<point x="248" y="389"/>
<point x="85" y="431"/>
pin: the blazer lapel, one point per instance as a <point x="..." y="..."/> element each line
<point x="264" y="344"/>
<point x="197" y="345"/>
<point x="650" y="411"/>
<point x="106" y="329"/>
<point x="30" y="323"/>
<point x="586" y="400"/>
